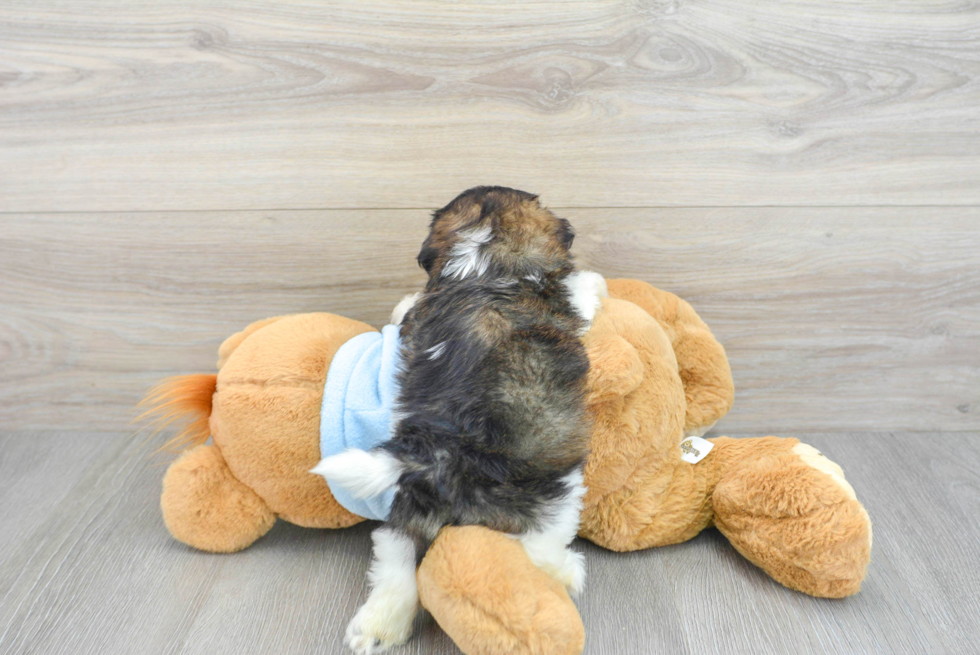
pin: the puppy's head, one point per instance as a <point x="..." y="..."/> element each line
<point x="497" y="230"/>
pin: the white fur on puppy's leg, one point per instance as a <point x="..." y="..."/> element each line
<point x="405" y="304"/>
<point x="572" y="572"/>
<point x="385" y="619"/>
<point x="586" y="290"/>
<point x="547" y="547"/>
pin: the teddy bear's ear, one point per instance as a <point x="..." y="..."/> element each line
<point x="615" y="368"/>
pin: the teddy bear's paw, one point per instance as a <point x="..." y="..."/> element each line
<point x="572" y="572"/>
<point x="815" y="459"/>
<point x="385" y="620"/>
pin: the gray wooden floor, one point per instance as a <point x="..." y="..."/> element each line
<point x="86" y="566"/>
<point x="805" y="173"/>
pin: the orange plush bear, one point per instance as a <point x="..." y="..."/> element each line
<point x="658" y="380"/>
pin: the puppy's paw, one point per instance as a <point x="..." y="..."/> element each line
<point x="405" y="304"/>
<point x="385" y="620"/>
<point x="364" y="644"/>
<point x="572" y="572"/>
<point x="586" y="290"/>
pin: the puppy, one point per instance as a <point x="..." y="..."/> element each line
<point x="491" y="426"/>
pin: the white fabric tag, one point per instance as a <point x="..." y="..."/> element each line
<point x="694" y="449"/>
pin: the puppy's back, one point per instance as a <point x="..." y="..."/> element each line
<point x="503" y="366"/>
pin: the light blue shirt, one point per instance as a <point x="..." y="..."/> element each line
<point x="358" y="397"/>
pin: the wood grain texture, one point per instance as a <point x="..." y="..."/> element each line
<point x="136" y="105"/>
<point x="36" y="474"/>
<point x="918" y="498"/>
<point x="834" y="319"/>
<point x="99" y="573"/>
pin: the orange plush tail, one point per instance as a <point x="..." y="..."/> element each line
<point x="181" y="398"/>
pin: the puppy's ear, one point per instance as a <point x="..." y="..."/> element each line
<point x="565" y="233"/>
<point x="427" y="256"/>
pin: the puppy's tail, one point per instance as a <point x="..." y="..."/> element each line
<point x="364" y="473"/>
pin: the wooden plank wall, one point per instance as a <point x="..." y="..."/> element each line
<point x="867" y="318"/>
<point x="805" y="173"/>
<point x="148" y="104"/>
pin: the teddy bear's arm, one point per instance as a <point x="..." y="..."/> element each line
<point x="483" y="590"/>
<point x="701" y="360"/>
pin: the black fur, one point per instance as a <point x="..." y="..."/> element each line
<point x="492" y="380"/>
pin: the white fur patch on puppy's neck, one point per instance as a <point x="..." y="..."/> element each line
<point x="466" y="256"/>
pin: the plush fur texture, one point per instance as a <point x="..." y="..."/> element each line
<point x="641" y="494"/>
<point x="266" y="414"/>
<point x="784" y="508"/>
<point x="824" y="532"/>
<point x="656" y="372"/>
<point x="702" y="365"/>
<point x="205" y="505"/>
<point x="492" y="600"/>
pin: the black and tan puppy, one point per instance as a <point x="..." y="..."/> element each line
<point x="491" y="425"/>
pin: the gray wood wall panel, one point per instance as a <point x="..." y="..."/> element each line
<point x="127" y="105"/>
<point x="857" y="318"/>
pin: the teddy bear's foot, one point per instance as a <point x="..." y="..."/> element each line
<point x="794" y="515"/>
<point x="206" y="507"/>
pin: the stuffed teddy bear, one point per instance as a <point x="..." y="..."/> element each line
<point x="658" y="380"/>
